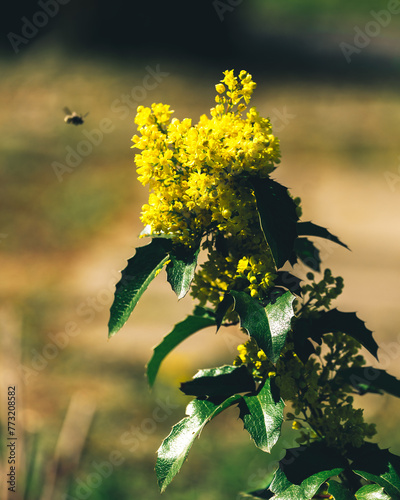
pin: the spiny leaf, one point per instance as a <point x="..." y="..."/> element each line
<point x="217" y="384"/>
<point x="288" y="281"/>
<point x="300" y="463"/>
<point x="267" y="325"/>
<point x="277" y="210"/>
<point x="262" y="417"/>
<point x="311" y="229"/>
<point x="308" y="253"/>
<point x="180" y="332"/>
<point x="304" y="491"/>
<point x="378" y="466"/>
<point x="372" y="492"/>
<point x="335" y="321"/>
<point x="304" y="469"/>
<point x="142" y="268"/>
<point x="181" y="269"/>
<point x="368" y="379"/>
<point x="175" y="448"/>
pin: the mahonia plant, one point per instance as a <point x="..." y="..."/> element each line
<point x="210" y="189"/>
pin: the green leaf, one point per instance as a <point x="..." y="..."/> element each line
<point x="378" y="466"/>
<point x="368" y="379"/>
<point x="267" y="325"/>
<point x="181" y="269"/>
<point x="217" y="384"/>
<point x="289" y="281"/>
<point x="371" y="492"/>
<point x="284" y="490"/>
<point x="175" y="448"/>
<point x="222" y="308"/>
<point x="308" y="253"/>
<point x="278" y="217"/>
<point x="339" y="492"/>
<point x="304" y="469"/>
<point x="310" y="229"/>
<point x="336" y="321"/>
<point x="142" y="268"/>
<point x="300" y="463"/>
<point x="181" y="331"/>
<point x="262" y="417"/>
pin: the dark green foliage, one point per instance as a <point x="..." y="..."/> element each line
<point x="277" y="210"/>
<point x="192" y="324"/>
<point x="181" y="269"/>
<point x="142" y="268"/>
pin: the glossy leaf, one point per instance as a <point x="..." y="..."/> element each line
<point x="262" y="417"/>
<point x="368" y="379"/>
<point x="284" y="490"/>
<point x="300" y="463"/>
<point x="311" y="229"/>
<point x="304" y="469"/>
<point x="267" y="325"/>
<point x="339" y="492"/>
<point x="142" y="268"/>
<point x="278" y="217"/>
<point x="372" y="492"/>
<point x="181" y="269"/>
<point x="175" y="448"/>
<point x="378" y="466"/>
<point x="217" y="384"/>
<point x="335" y="321"/>
<point x="181" y="331"/>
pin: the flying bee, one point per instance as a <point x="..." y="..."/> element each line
<point x="73" y="117"/>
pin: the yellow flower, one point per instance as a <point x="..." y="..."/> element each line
<point x="195" y="174"/>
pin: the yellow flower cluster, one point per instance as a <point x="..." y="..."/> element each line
<point x="197" y="175"/>
<point x="255" y="359"/>
<point x="327" y="413"/>
<point x="192" y="170"/>
<point x="244" y="267"/>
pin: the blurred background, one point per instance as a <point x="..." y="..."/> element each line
<point x="328" y="77"/>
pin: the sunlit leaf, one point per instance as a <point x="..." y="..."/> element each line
<point x="262" y="417"/>
<point x="181" y="269"/>
<point x="372" y="492"/>
<point x="378" y="466"/>
<point x="142" y="268"/>
<point x="175" y="448"/>
<point x="304" y="469"/>
<point x="268" y="325"/>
